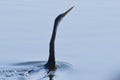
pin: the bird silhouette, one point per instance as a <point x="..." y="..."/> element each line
<point x="51" y="63"/>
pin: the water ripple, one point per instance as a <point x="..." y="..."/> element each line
<point x="29" y="70"/>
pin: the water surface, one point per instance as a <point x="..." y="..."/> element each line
<point x="88" y="37"/>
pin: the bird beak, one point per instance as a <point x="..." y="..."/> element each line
<point x="68" y="11"/>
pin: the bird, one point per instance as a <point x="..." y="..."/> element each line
<point x="51" y="63"/>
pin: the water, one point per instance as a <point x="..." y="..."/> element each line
<point x="31" y="70"/>
<point x="88" y="38"/>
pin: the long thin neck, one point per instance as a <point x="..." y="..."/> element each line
<point x="52" y="45"/>
<point x="51" y="60"/>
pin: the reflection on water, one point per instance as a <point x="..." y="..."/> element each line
<point x="30" y="70"/>
<point x="50" y="77"/>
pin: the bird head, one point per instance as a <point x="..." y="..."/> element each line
<point x="60" y="17"/>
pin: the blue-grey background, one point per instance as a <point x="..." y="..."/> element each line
<point x="88" y="37"/>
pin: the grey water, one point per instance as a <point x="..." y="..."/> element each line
<point x="88" y="39"/>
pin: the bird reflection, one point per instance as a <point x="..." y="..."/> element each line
<point x="51" y="77"/>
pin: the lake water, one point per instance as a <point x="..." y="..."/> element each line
<point x="88" y="39"/>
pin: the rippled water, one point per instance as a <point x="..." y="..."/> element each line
<point x="31" y="71"/>
<point x="88" y="39"/>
